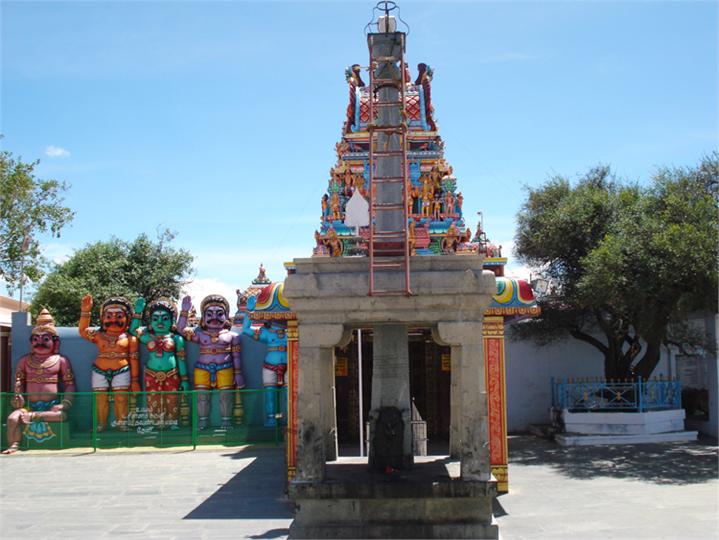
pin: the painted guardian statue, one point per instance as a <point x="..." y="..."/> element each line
<point x="275" y="364"/>
<point x="44" y="384"/>
<point x="166" y="368"/>
<point x="116" y="367"/>
<point x="219" y="364"/>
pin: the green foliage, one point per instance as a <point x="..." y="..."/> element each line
<point x="627" y="263"/>
<point x="103" y="269"/>
<point x="28" y="206"/>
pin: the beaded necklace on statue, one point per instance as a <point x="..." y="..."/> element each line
<point x="110" y="338"/>
<point x="214" y="336"/>
<point x="41" y="366"/>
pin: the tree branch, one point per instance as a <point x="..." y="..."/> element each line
<point x="594" y="342"/>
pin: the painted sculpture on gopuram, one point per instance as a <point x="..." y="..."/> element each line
<point x="436" y="222"/>
<point x="219" y="365"/>
<point x="116" y="366"/>
<point x="44" y="384"/>
<point x="166" y="368"/>
<point x="268" y="308"/>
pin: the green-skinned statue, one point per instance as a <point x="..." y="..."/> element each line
<point x="166" y="369"/>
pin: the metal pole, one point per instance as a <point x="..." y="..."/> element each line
<point x="361" y="407"/>
<point x="25" y="245"/>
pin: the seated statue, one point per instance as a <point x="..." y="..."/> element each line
<point x="40" y="376"/>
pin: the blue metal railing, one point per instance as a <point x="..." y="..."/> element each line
<point x="595" y="394"/>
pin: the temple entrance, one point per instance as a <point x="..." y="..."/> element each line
<point x="429" y="388"/>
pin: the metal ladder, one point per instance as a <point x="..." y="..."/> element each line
<point x="388" y="249"/>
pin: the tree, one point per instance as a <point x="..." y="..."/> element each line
<point x="104" y="269"/>
<point x="626" y="264"/>
<point x="28" y="206"/>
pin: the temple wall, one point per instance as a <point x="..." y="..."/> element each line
<point x="530" y="369"/>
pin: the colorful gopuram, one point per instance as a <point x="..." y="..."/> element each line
<point x="434" y="205"/>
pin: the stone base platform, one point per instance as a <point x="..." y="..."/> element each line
<point x="578" y="439"/>
<point x="589" y="428"/>
<point x="428" y="501"/>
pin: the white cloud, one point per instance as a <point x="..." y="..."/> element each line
<point x="198" y="288"/>
<point x="57" y="252"/>
<point x="514" y="268"/>
<point x="56" y="151"/>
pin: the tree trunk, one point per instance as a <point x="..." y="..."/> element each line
<point x="614" y="365"/>
<point x="645" y="366"/>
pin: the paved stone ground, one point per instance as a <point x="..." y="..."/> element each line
<point x="666" y="490"/>
<point x="637" y="491"/>
<point x="218" y="494"/>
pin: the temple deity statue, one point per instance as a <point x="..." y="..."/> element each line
<point x="335" y="206"/>
<point x="451" y="239"/>
<point x="166" y="369"/>
<point x="44" y="384"/>
<point x="449" y="204"/>
<point x="436" y="207"/>
<point x="116" y="366"/>
<point x="219" y="364"/>
<point x="354" y="80"/>
<point x="275" y="364"/>
<point x="333" y="243"/>
<point x="424" y="79"/>
<point x="358" y="183"/>
<point x="412" y="237"/>
<point x="325" y="206"/>
<point x="426" y="204"/>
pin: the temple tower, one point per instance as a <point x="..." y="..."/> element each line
<point x="391" y="154"/>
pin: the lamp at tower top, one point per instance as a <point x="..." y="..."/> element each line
<point x="384" y="19"/>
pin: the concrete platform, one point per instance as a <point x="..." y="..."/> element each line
<point x="428" y="501"/>
<point x="581" y="439"/>
<point x="624" y="423"/>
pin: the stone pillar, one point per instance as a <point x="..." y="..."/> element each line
<point x="455" y="396"/>
<point x="329" y="410"/>
<point x="317" y="343"/>
<point x="466" y="341"/>
<point x="391" y="412"/>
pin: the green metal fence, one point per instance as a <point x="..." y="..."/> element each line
<point x="150" y="426"/>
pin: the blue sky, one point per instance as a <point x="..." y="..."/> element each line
<point x="218" y="119"/>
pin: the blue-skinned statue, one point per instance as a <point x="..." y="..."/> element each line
<point x="275" y="363"/>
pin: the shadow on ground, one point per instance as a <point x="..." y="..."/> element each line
<point x="660" y="463"/>
<point x="256" y="492"/>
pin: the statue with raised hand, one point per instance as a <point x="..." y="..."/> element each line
<point x="166" y="368"/>
<point x="40" y="375"/>
<point x="275" y="364"/>
<point x="116" y="366"/>
<point x="219" y="364"/>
